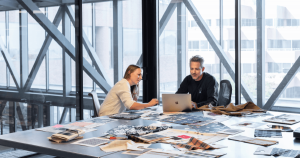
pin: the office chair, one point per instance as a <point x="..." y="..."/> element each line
<point x="225" y="93"/>
<point x="96" y="103"/>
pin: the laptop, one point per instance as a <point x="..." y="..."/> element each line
<point x="176" y="102"/>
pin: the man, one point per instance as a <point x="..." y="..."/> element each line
<point x="202" y="86"/>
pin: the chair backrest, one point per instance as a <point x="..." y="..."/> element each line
<point x="225" y="93"/>
<point x="96" y="103"/>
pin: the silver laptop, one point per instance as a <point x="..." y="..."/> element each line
<point x="176" y="102"/>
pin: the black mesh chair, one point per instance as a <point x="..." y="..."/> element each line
<point x="225" y="93"/>
<point x="96" y="103"/>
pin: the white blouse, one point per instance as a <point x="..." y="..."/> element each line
<point x="118" y="99"/>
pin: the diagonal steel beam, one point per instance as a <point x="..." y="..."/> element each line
<point x="9" y="3"/>
<point x="2" y="106"/>
<point x="283" y="84"/>
<point x="63" y="42"/>
<point x="167" y="16"/>
<point x="39" y="59"/>
<point x="140" y="61"/>
<point x="10" y="64"/>
<point x="216" y="46"/>
<point x="88" y="46"/>
<point x="63" y="115"/>
<point x="20" y="115"/>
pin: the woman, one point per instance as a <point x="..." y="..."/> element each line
<point x="124" y="94"/>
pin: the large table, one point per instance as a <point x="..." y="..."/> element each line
<point x="37" y="141"/>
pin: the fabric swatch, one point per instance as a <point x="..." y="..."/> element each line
<point x="136" y="130"/>
<point x="268" y="133"/>
<point x="125" y="116"/>
<point x="185" y="119"/>
<point x="210" y="128"/>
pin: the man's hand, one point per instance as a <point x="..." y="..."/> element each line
<point x="194" y="105"/>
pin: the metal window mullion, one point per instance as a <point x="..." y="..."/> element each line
<point x="181" y="42"/>
<point x="260" y="14"/>
<point x="237" y="52"/>
<point x="221" y="37"/>
<point x="7" y="46"/>
<point x="93" y="37"/>
<point x="117" y="39"/>
<point x="47" y="58"/>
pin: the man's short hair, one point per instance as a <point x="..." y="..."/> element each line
<point x="197" y="58"/>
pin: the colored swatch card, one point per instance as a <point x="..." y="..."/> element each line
<point x="268" y="133"/>
<point x="205" y="153"/>
<point x="231" y="131"/>
<point x="256" y="141"/>
<point x="249" y="124"/>
<point x="285" y="119"/>
<point x="202" y="123"/>
<point x="92" y="142"/>
<point x="210" y="128"/>
<point x="282" y="128"/>
<point x="57" y="126"/>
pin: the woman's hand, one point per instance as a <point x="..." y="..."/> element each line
<point x="153" y="102"/>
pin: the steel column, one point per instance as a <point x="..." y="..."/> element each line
<point x="118" y="39"/>
<point x="79" y="59"/>
<point x="221" y="37"/>
<point x="260" y="15"/>
<point x="12" y="117"/>
<point x="237" y="52"/>
<point x="150" y="49"/>
<point x="20" y="115"/>
<point x="181" y="43"/>
<point x="23" y="20"/>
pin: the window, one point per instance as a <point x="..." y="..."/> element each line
<point x="228" y="22"/>
<point x="193" y="45"/>
<point x="248" y="22"/>
<point x="279" y="44"/>
<point x="288" y="22"/>
<point x="208" y="22"/>
<point x="192" y="23"/>
<point x="296" y="44"/>
<point x="246" y="67"/>
<point x="204" y="45"/>
<point x="247" y="45"/>
<point x="269" y="22"/>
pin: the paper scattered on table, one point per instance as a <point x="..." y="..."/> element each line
<point x="249" y="124"/>
<point x="284" y="118"/>
<point x="276" y="152"/>
<point x="168" y="151"/>
<point x="136" y="152"/>
<point x="268" y="133"/>
<point x="256" y="141"/>
<point x="231" y="131"/>
<point x="137" y="146"/>
<point x="116" y="145"/>
<point x="153" y="154"/>
<point x="91" y="142"/>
